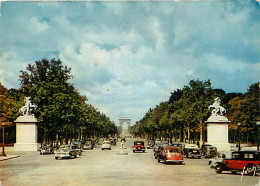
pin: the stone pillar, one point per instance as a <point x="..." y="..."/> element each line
<point x="217" y="132"/>
<point x="26" y="134"/>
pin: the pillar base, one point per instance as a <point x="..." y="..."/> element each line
<point x="26" y="147"/>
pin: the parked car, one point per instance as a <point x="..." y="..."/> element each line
<point x="112" y="141"/>
<point x="77" y="142"/>
<point x="66" y="151"/>
<point x="138" y="146"/>
<point x="78" y="147"/>
<point x="191" y="150"/>
<point x="209" y="151"/>
<point x="178" y="144"/>
<point x="171" y="154"/>
<point x="219" y="158"/>
<point x="165" y="142"/>
<point x="158" y="152"/>
<point x="151" y="143"/>
<point x="106" y="145"/>
<point x="88" y="145"/>
<point x="123" y="139"/>
<point x="100" y="141"/>
<point x="240" y="160"/>
<point x="156" y="146"/>
<point x="46" y="149"/>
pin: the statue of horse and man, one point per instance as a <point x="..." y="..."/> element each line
<point x="28" y="108"/>
<point x="216" y="109"/>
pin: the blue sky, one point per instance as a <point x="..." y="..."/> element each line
<point x="128" y="56"/>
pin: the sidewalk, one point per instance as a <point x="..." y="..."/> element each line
<point x="8" y="157"/>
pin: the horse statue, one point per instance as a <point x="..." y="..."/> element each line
<point x="216" y="108"/>
<point x="28" y="108"/>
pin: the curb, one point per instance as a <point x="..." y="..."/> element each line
<point x="8" y="157"/>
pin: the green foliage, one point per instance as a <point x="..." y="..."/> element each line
<point x="61" y="109"/>
<point x="186" y="111"/>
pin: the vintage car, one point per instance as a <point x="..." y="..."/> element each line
<point x="171" y="154"/>
<point x="88" y="145"/>
<point x="78" y="146"/>
<point x="158" y="152"/>
<point x="151" y="143"/>
<point x="178" y="144"/>
<point x="46" y="149"/>
<point x="156" y="146"/>
<point x="77" y="142"/>
<point x="247" y="161"/>
<point x="123" y="139"/>
<point x="138" y="146"/>
<point x="100" y="141"/>
<point x="191" y="150"/>
<point x="219" y="158"/>
<point x="106" y="145"/>
<point x="208" y="151"/>
<point x="112" y="141"/>
<point x="66" y="151"/>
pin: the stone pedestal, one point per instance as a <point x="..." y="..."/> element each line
<point x="217" y="132"/>
<point x="26" y="134"/>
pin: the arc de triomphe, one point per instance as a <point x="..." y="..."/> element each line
<point x="122" y="120"/>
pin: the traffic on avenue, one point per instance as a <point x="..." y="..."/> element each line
<point x="126" y="161"/>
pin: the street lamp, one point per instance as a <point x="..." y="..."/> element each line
<point x="238" y="124"/>
<point x="257" y="134"/>
<point x="3" y="149"/>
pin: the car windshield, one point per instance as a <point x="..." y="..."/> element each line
<point x="173" y="150"/>
<point x="106" y="142"/>
<point x="138" y="142"/>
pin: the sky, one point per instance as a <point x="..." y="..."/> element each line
<point x="127" y="57"/>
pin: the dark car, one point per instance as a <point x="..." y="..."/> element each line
<point x="156" y="146"/>
<point x="180" y="145"/>
<point x="158" y="151"/>
<point x="46" y="149"/>
<point x="209" y="151"/>
<point x="171" y="154"/>
<point x="151" y="143"/>
<point x="112" y="141"/>
<point x="138" y="146"/>
<point x="123" y="139"/>
<point x="249" y="161"/>
<point x="88" y="145"/>
<point x="191" y="150"/>
<point x="66" y="151"/>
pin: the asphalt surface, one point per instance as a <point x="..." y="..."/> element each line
<point x="105" y="167"/>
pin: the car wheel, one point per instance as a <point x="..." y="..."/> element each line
<point x="187" y="155"/>
<point x="180" y="163"/>
<point x="56" y="158"/>
<point x="158" y="160"/>
<point x="133" y="151"/>
<point x="164" y="161"/>
<point x="102" y="149"/>
<point x="251" y="169"/>
<point x="110" y="149"/>
<point x="233" y="172"/>
<point x="219" y="169"/>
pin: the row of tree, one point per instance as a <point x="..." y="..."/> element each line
<point x="62" y="112"/>
<point x="183" y="116"/>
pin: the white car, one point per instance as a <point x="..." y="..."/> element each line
<point x="106" y="145"/>
<point x="213" y="161"/>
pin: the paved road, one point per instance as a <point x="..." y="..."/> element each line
<point x="97" y="167"/>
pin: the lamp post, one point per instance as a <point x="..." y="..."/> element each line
<point x="257" y="134"/>
<point x="238" y="124"/>
<point x="3" y="149"/>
